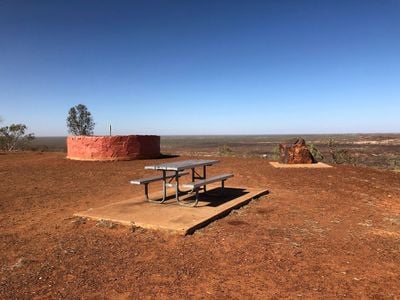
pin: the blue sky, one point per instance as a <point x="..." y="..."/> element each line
<point x="202" y="67"/>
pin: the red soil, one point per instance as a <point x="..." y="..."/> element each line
<point x="319" y="233"/>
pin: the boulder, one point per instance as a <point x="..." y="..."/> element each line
<point x="296" y="153"/>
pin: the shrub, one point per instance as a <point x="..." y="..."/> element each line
<point x="339" y="156"/>
<point x="394" y="164"/>
<point x="13" y="137"/>
<point x="276" y="154"/>
<point x="225" y="151"/>
<point x="315" y="152"/>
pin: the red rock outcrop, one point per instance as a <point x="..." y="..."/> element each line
<point x="297" y="153"/>
<point x="126" y="147"/>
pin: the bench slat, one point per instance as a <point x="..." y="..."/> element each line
<point x="155" y="178"/>
<point x="199" y="183"/>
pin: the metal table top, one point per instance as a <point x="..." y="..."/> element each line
<point x="182" y="165"/>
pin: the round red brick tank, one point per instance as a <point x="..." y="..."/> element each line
<point x="121" y="147"/>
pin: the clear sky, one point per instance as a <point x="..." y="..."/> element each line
<point x="202" y="67"/>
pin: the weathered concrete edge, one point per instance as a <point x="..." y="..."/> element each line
<point x="130" y="223"/>
<point x="86" y="214"/>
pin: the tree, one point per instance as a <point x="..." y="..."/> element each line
<point x="13" y="137"/>
<point x="80" y="121"/>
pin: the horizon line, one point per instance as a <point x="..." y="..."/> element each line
<point x="238" y="134"/>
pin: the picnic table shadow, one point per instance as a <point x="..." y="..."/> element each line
<point x="213" y="197"/>
<point x="216" y="197"/>
<point x="163" y="156"/>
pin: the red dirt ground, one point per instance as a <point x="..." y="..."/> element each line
<point x="319" y="233"/>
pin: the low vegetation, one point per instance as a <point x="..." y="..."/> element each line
<point x="225" y="150"/>
<point x="339" y="156"/>
<point x="315" y="152"/>
<point x="275" y="153"/>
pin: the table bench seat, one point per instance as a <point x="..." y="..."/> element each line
<point x="148" y="180"/>
<point x="154" y="178"/>
<point x="199" y="183"/>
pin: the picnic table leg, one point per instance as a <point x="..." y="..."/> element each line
<point x="189" y="202"/>
<point x="204" y="177"/>
<point x="146" y="191"/>
<point x="186" y="202"/>
<point x="146" y="195"/>
<point x="164" y="186"/>
<point x="177" y="186"/>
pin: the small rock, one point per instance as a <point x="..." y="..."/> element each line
<point x="107" y="224"/>
<point x="18" y="264"/>
<point x="79" y="221"/>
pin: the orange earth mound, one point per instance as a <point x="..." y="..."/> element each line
<point x="125" y="147"/>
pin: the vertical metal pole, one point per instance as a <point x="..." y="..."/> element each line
<point x="204" y="177"/>
<point x="110" y="129"/>
<point x="222" y="186"/>
<point x="164" y="186"/>
<point x="177" y="186"/>
<point x="146" y="191"/>
<point x="192" y="174"/>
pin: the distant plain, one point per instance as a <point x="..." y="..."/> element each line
<point x="373" y="150"/>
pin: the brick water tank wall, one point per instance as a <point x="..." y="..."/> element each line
<point x="124" y="147"/>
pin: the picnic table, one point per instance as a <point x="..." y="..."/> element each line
<point x="172" y="171"/>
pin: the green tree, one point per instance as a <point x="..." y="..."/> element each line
<point x="13" y="137"/>
<point x="80" y="121"/>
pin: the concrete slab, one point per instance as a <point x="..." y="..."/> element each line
<point x="170" y="215"/>
<point x="318" y="165"/>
